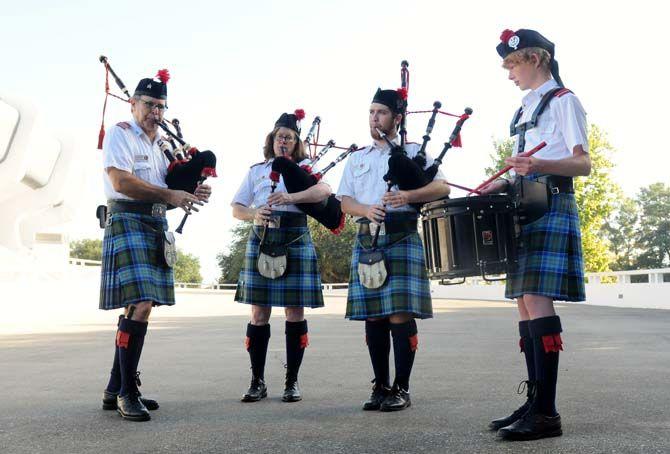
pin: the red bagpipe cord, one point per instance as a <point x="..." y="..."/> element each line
<point x="552" y="343"/>
<point x="101" y="134"/>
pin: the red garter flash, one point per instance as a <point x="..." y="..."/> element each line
<point x="552" y="343"/>
<point x="122" y="339"/>
<point x="304" y="340"/>
<point x="247" y="343"/>
<point x="414" y="342"/>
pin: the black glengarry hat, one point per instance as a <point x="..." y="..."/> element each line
<point x="393" y="99"/>
<point x="511" y="41"/>
<point x="156" y="88"/>
<point x="291" y="121"/>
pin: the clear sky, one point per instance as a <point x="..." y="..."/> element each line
<point x="237" y="65"/>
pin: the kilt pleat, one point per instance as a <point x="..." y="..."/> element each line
<point x="132" y="265"/>
<point x="550" y="261"/>
<point x="406" y="289"/>
<point x="300" y="286"/>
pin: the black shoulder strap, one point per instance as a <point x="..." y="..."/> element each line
<point x="544" y="102"/>
<point x="530" y="124"/>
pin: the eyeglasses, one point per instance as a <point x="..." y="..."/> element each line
<point x="152" y="105"/>
<point x="287" y="139"/>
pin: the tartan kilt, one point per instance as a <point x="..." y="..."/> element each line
<point x="300" y="286"/>
<point x="407" y="288"/>
<point x="132" y="262"/>
<point x="550" y="261"/>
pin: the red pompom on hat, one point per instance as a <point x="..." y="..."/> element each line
<point x="299" y="114"/>
<point x="506" y="35"/>
<point x="402" y="92"/>
<point x="163" y="75"/>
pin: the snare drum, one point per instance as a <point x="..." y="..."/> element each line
<point x="469" y="236"/>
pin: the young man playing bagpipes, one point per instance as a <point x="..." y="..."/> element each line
<point x="391" y="289"/>
<point x="550" y="264"/>
<point x="136" y="275"/>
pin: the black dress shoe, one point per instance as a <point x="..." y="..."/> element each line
<point x="130" y="407"/>
<point x="497" y="424"/>
<point x="257" y="391"/>
<point x="379" y="395"/>
<point x="397" y="400"/>
<point x="532" y="426"/>
<point x="291" y="391"/>
<point x="109" y="401"/>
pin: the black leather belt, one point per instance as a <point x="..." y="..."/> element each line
<point x="288" y="219"/>
<point x="292" y="220"/>
<point x="149" y="209"/>
<point x="390" y="227"/>
<point x="558" y="184"/>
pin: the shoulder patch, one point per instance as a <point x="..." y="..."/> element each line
<point x="561" y="92"/>
<point x="123" y="125"/>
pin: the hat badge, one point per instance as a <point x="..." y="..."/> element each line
<point x="149" y="86"/>
<point x="513" y="42"/>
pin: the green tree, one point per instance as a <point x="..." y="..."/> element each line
<point x="187" y="268"/>
<point x="595" y="195"/>
<point x="86" y="249"/>
<point x="231" y="262"/>
<point x="622" y="232"/>
<point x="654" y="232"/>
<point x="502" y="149"/>
<point x="333" y="251"/>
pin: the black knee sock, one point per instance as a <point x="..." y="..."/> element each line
<point x="527" y="347"/>
<point x="405" y="343"/>
<point x="257" y="341"/>
<point x="378" y="338"/>
<point x="115" y="375"/>
<point x="547" y="343"/>
<point x="130" y="340"/>
<point x="296" y="342"/>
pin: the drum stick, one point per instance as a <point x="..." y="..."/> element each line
<point x="458" y="186"/>
<point x="525" y="154"/>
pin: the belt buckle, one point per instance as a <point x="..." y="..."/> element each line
<point x="274" y="222"/>
<point x="158" y="210"/>
<point x="375" y="227"/>
<point x="555" y="190"/>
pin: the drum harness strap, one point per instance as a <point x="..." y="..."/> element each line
<point x="557" y="184"/>
<point x="521" y="129"/>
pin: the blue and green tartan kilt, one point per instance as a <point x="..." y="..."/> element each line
<point x="300" y="286"/>
<point x="133" y="270"/>
<point x="550" y="261"/>
<point x="407" y="288"/>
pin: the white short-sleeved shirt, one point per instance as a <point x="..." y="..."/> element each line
<point x="562" y="124"/>
<point x="127" y="147"/>
<point x="256" y="187"/>
<point x="363" y="177"/>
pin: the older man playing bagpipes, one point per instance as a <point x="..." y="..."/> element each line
<point x="138" y="252"/>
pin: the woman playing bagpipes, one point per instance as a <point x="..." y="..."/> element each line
<point x="280" y="265"/>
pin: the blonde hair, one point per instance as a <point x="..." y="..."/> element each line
<point x="525" y="55"/>
<point x="297" y="154"/>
